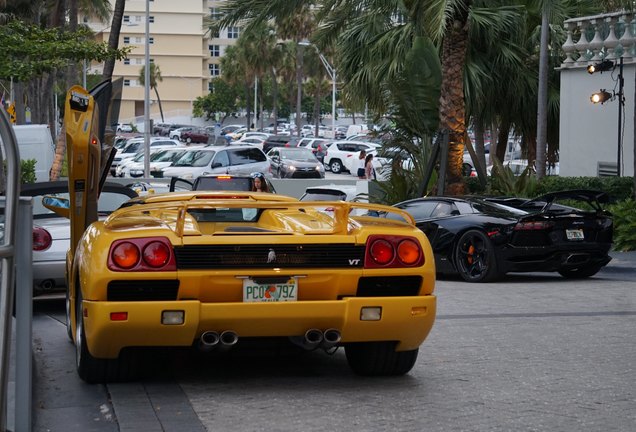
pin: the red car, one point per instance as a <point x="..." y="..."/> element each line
<point x="197" y="135"/>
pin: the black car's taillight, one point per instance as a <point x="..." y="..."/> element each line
<point x="535" y="225"/>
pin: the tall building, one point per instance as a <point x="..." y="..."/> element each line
<point x="185" y="52"/>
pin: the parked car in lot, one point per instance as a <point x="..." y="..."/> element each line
<point x="159" y="158"/>
<point x="317" y="145"/>
<point x="51" y="233"/>
<point x="135" y="145"/>
<point x="176" y="134"/>
<point x="199" y="135"/>
<point x="295" y="162"/>
<point x="482" y="239"/>
<point x="236" y="159"/>
<point x="330" y="192"/>
<point x="341" y="152"/>
<point x="280" y="141"/>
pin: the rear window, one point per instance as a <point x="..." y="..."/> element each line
<point x="324" y="196"/>
<point x="246" y="156"/>
<point x="223" y="184"/>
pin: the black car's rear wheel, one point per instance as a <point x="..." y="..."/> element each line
<point x="580" y="272"/>
<point x="379" y="358"/>
<point x="475" y="259"/>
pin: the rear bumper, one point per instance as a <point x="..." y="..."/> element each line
<point x="553" y="259"/>
<point x="407" y="320"/>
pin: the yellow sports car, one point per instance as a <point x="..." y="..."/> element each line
<point x="211" y="268"/>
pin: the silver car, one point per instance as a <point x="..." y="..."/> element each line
<point x="51" y="233"/>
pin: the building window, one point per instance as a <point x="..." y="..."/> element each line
<point x="215" y="69"/>
<point x="215" y="50"/>
<point x="126" y="83"/>
<point x="126" y="39"/>
<point x="126" y="18"/>
<point x="151" y="40"/>
<point x="215" y="13"/>
<point x="127" y="61"/>
<point x="211" y="87"/>
<point x="232" y="32"/>
<point x="151" y="19"/>
<point x="138" y="40"/>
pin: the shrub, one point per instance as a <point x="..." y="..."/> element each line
<point x="624" y="216"/>
<point x="27" y="171"/>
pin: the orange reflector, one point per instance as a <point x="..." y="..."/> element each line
<point x="118" y="316"/>
<point x="421" y="310"/>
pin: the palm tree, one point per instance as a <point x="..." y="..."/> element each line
<point x="155" y="77"/>
<point x="113" y="38"/>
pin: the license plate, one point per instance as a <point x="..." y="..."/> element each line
<point x="574" y="234"/>
<point x="279" y="292"/>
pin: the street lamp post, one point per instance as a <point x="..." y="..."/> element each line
<point x="331" y="71"/>
<point x="147" y="95"/>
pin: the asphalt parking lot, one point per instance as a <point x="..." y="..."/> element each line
<point x="535" y="352"/>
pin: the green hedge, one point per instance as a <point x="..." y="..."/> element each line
<point x="619" y="188"/>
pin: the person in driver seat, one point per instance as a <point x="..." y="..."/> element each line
<point x="259" y="184"/>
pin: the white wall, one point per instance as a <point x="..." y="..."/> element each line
<point x="589" y="132"/>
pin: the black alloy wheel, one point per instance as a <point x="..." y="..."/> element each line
<point x="475" y="258"/>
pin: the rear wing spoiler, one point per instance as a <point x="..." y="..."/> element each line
<point x="544" y="202"/>
<point x="341" y="210"/>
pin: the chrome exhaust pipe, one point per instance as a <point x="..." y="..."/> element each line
<point x="331" y="338"/>
<point x="309" y="341"/>
<point x="229" y="338"/>
<point x="208" y="341"/>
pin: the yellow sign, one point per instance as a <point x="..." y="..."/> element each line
<point x="11" y="111"/>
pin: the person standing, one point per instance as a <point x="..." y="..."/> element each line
<point x="369" y="171"/>
<point x="361" y="164"/>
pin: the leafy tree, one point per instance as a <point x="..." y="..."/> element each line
<point x="220" y="101"/>
<point x="29" y="50"/>
<point x="155" y="78"/>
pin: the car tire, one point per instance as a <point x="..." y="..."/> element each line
<point x="474" y="257"/>
<point x="69" y="322"/>
<point x="189" y="140"/>
<point x="336" y="166"/>
<point x="96" y="370"/>
<point x="379" y="359"/>
<point x="580" y="272"/>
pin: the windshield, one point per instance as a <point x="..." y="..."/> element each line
<point x="197" y="158"/>
<point x="300" y="154"/>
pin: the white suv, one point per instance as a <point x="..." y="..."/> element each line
<point x="340" y="154"/>
<point x="235" y="159"/>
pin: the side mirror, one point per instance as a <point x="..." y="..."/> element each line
<point x="59" y="206"/>
<point x="216" y="165"/>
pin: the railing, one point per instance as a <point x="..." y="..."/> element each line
<point x="599" y="37"/>
<point x="15" y="253"/>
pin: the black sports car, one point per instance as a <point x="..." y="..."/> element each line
<point x="482" y="239"/>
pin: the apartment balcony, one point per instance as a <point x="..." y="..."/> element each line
<point x="600" y="37"/>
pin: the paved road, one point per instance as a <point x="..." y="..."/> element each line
<point x="533" y="353"/>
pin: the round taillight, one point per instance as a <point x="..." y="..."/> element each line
<point x="408" y="252"/>
<point x="126" y="255"/>
<point x="382" y="252"/>
<point x="41" y="239"/>
<point x="156" y="254"/>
